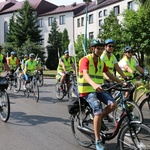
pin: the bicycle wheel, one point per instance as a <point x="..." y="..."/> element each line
<point x="59" y="93"/>
<point x="131" y="140"/>
<point x="136" y="114"/>
<point x="4" y="106"/>
<point x="76" y="123"/>
<point x="145" y="109"/>
<point x="40" y="80"/>
<point x="17" y="85"/>
<point x="36" y="91"/>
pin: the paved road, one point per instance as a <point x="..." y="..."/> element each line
<point x="39" y="126"/>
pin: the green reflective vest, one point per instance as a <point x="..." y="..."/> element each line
<point x="31" y="65"/>
<point x="97" y="77"/>
<point x="12" y="63"/>
<point x="1" y="62"/>
<point x="131" y="64"/>
<point x="109" y="62"/>
<point x="66" y="63"/>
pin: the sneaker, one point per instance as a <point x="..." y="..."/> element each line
<point x="104" y="127"/>
<point x="99" y="145"/>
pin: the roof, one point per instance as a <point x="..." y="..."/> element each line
<point x="62" y="8"/>
<point x="5" y="5"/>
<point x="36" y="4"/>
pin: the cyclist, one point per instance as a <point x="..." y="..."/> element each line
<point x="30" y="67"/>
<point x="128" y="64"/>
<point x="13" y="62"/>
<point x="3" y="62"/>
<point x="65" y="66"/>
<point x="40" y="65"/>
<point x="26" y="57"/>
<point x="111" y="62"/>
<point x="91" y="68"/>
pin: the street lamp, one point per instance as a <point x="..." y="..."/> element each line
<point x="86" y="20"/>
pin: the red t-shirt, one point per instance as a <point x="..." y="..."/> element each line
<point x="84" y="65"/>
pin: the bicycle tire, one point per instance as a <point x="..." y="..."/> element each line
<point x="70" y="91"/>
<point x="5" y="106"/>
<point x="135" y="112"/>
<point x="136" y="140"/>
<point x="17" y="89"/>
<point x="80" y="137"/>
<point x="59" y="94"/>
<point x="36" y="91"/>
<point x="145" y="109"/>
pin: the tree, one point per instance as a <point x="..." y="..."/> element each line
<point x="144" y="3"/>
<point x="27" y="26"/>
<point x="65" y="40"/>
<point x="24" y="29"/>
<point x="137" y="28"/>
<point x="55" y="45"/>
<point x="113" y="30"/>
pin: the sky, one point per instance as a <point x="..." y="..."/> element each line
<point x="62" y="2"/>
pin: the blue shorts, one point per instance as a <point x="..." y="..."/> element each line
<point x="94" y="99"/>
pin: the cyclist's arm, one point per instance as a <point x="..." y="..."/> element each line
<point x="6" y="67"/>
<point x="119" y="70"/>
<point x="112" y="77"/>
<point x="140" y="69"/>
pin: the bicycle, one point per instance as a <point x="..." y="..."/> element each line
<point x="132" y="135"/>
<point x="118" y="95"/>
<point x="32" y="87"/>
<point x="14" y="81"/>
<point x="40" y="78"/>
<point x="71" y="79"/>
<point x="136" y="96"/>
<point x="4" y="99"/>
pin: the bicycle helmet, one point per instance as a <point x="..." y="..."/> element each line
<point x="25" y="55"/>
<point x="31" y="55"/>
<point x="109" y="41"/>
<point x="13" y="53"/>
<point x="127" y="48"/>
<point x="96" y="42"/>
<point x="66" y="51"/>
<point x="39" y="58"/>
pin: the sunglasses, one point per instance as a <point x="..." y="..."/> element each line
<point x="111" y="46"/>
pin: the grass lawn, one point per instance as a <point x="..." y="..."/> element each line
<point x="50" y="73"/>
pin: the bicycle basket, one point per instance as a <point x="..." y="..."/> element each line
<point x="3" y="83"/>
<point x="73" y="105"/>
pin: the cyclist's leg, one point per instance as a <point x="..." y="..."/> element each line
<point x="26" y="79"/>
<point x="108" y="100"/>
<point x="95" y="104"/>
<point x="63" y="75"/>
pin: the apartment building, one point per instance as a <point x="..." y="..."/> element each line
<point x="97" y="11"/>
<point x="72" y="17"/>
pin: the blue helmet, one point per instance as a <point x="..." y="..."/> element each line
<point x="127" y="48"/>
<point x="109" y="41"/>
<point x="66" y="51"/>
<point x="13" y="53"/>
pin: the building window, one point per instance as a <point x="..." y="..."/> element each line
<point x="91" y="35"/>
<point x="50" y="21"/>
<point x="42" y="40"/>
<point x="100" y="31"/>
<point x="116" y="10"/>
<point x="82" y="21"/>
<point x="5" y="31"/>
<point x="78" y="22"/>
<point x="100" y="14"/>
<point x="100" y="22"/>
<point x="62" y="20"/>
<point x="90" y="19"/>
<point x="41" y="22"/>
<point x="130" y="5"/>
<point x="105" y="12"/>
